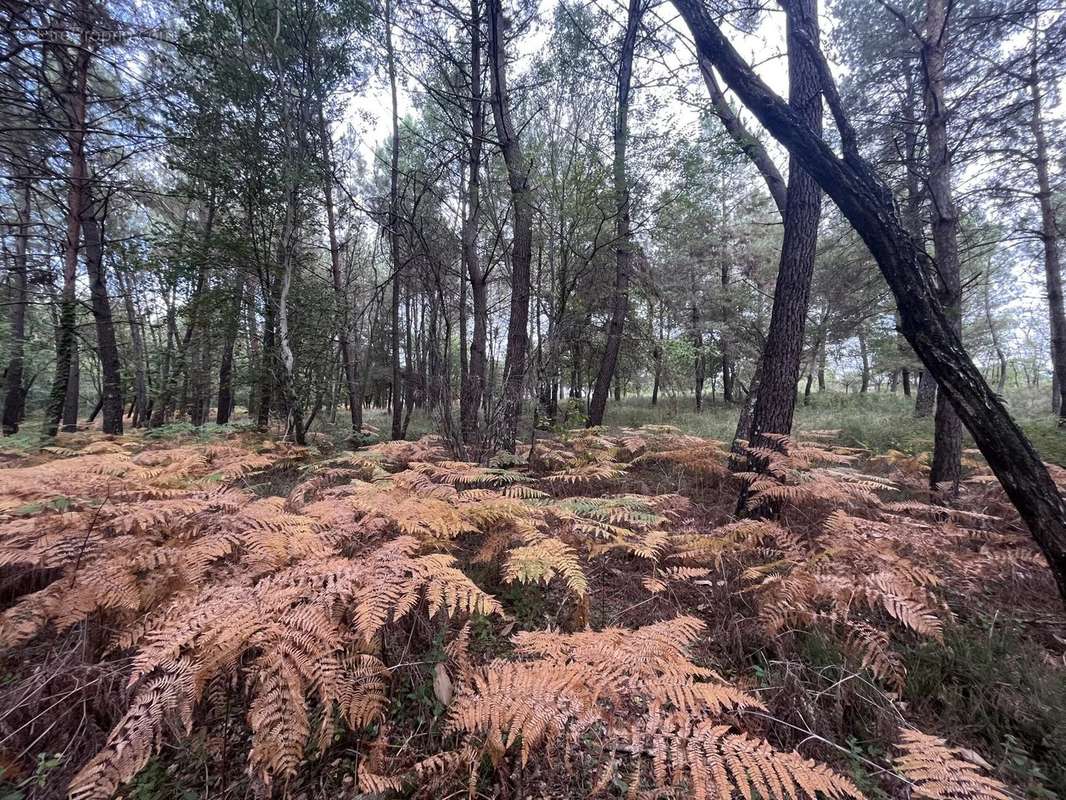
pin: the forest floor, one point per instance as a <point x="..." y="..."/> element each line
<point x="220" y="614"/>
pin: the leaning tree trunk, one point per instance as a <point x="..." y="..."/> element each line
<point x="106" y="346"/>
<point x="868" y="205"/>
<point x="17" y="333"/>
<point x="623" y="242"/>
<point x="514" y="365"/>
<point x="775" y="401"/>
<point x="947" y="439"/>
<point x="743" y="138"/>
<point x="1049" y="235"/>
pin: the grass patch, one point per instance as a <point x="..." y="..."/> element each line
<point x="879" y="421"/>
<point x="992" y="688"/>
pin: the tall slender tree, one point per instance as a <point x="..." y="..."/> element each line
<point x="623" y="237"/>
<point x="518" y="178"/>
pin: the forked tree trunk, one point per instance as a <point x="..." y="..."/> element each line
<point x="775" y="401"/>
<point x="868" y="205"/>
<point x="623" y="242"/>
<point x="749" y="144"/>
<point x="518" y="168"/>
<point x="1001" y="374"/>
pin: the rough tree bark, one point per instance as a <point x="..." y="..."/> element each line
<point x="623" y="239"/>
<point x="473" y="385"/>
<point x="514" y="368"/>
<point x="72" y="399"/>
<point x="775" y="402"/>
<point x="106" y="347"/>
<point x="947" y="439"/>
<point x="868" y="205"/>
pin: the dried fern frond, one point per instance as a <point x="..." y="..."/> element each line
<point x="941" y="772"/>
<point x="711" y="761"/>
<point x="543" y="560"/>
<point x="585" y="473"/>
<point x="703" y="458"/>
<point x="138" y="734"/>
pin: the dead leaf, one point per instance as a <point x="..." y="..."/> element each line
<point x="442" y="685"/>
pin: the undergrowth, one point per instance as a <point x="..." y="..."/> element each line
<point x="590" y="621"/>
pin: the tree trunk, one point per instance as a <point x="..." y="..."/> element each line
<point x="925" y="400"/>
<point x="349" y="362"/>
<point x="394" y="232"/>
<point x="110" y="367"/>
<point x="472" y="390"/>
<point x="1049" y="235"/>
<point x="139" y="415"/>
<point x="13" y="392"/>
<point x="514" y="370"/>
<point x="868" y="205"/>
<point x="1001" y="375"/>
<point x="623" y="243"/>
<point x="749" y="144"/>
<point x="700" y="362"/>
<point x="179" y="365"/>
<point x="775" y="401"/>
<point x="225" y="367"/>
<point x="74" y="103"/>
<point x="267" y="379"/>
<point x="864" y="355"/>
<point x="288" y="362"/>
<point x="947" y="440"/>
<point x="72" y="400"/>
